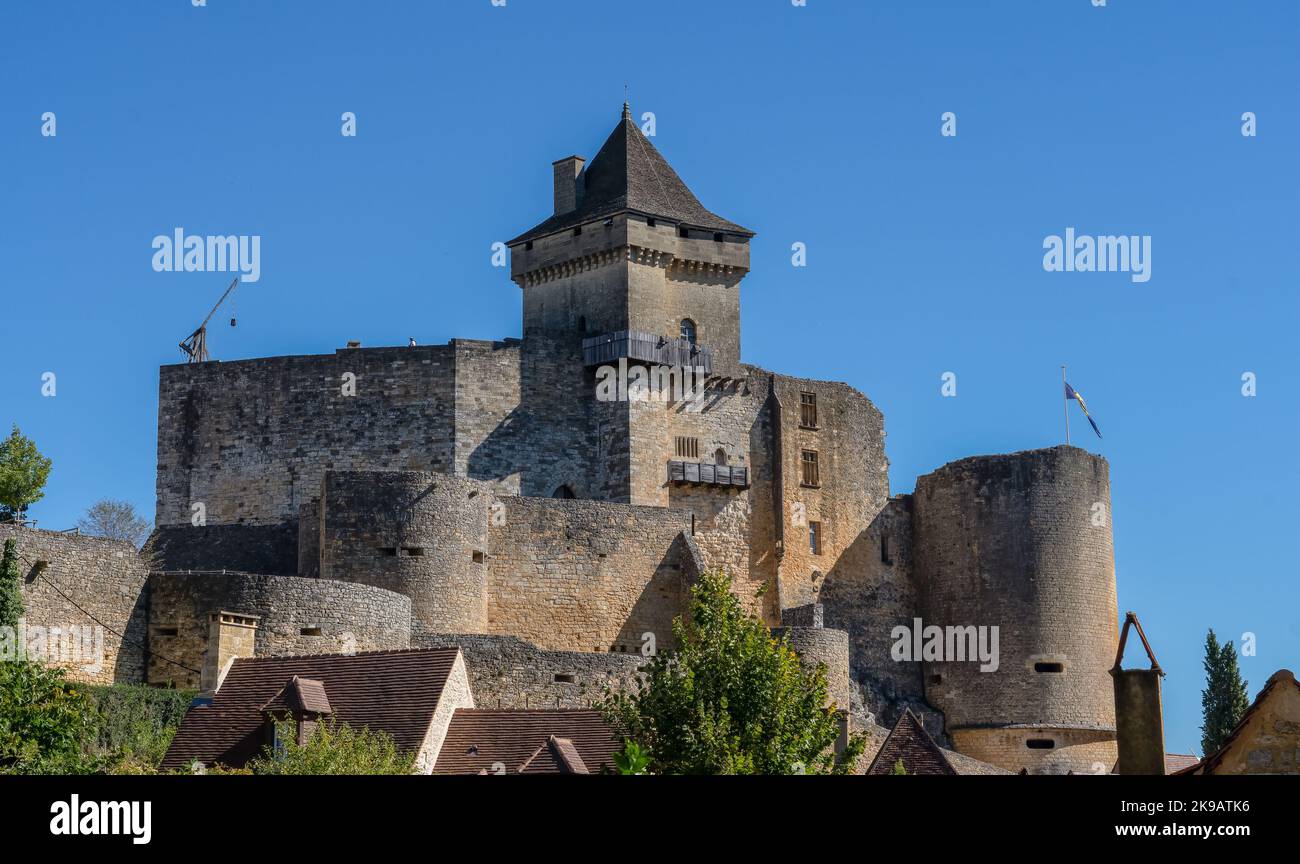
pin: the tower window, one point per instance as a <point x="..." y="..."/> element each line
<point x="577" y="231"/>
<point x="582" y="323"/>
<point x="563" y="492"/>
<point x="1040" y="744"/>
<point x="1049" y="667"/>
<point x="808" y="410"/>
<point x="719" y="457"/>
<point x="884" y="550"/>
<point x="388" y="551"/>
<point x="688" y="330"/>
<point x="687" y="448"/>
<point x="309" y="631"/>
<point x="565" y="678"/>
<point x="811" y="470"/>
<point x="414" y="551"/>
<point x="815" y="537"/>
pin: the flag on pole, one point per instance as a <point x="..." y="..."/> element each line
<point x="1071" y="393"/>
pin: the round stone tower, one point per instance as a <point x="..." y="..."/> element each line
<point x="1020" y="542"/>
<point x="419" y="534"/>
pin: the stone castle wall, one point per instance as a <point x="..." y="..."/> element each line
<point x="1021" y="542"/>
<point x="298" y="616"/>
<point x="417" y="534"/>
<point x="585" y="575"/>
<point x="90" y="582"/>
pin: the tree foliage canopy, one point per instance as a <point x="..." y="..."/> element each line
<point x="730" y="700"/>
<point x="23" y="472"/>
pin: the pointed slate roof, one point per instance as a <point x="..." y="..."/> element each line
<point x="910" y="743"/>
<point x="629" y="175"/>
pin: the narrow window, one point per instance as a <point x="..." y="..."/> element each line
<point x="564" y="678"/>
<point x="577" y="231"/>
<point x="309" y="631"/>
<point x="884" y="550"/>
<point x="528" y="245"/>
<point x="388" y="551"/>
<point x="815" y="537"/>
<point x="687" y="448"/>
<point x="811" y="471"/>
<point x="582" y="323"/>
<point x="1040" y="744"/>
<point x="719" y="457"/>
<point x="164" y="631"/>
<point x="683" y="231"/>
<point x="414" y="551"/>
<point x="478" y="557"/>
<point x="808" y="410"/>
<point x="717" y="238"/>
<point x="651" y="222"/>
<point x="1049" y="667"/>
<point x="688" y="330"/>
<point x="936" y="680"/>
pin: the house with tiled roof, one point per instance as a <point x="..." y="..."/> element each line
<point x="409" y="695"/>
<point x="492" y="741"/>
<point x="909" y="742"/>
<point x="1267" y="738"/>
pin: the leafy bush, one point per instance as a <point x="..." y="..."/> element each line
<point x="44" y="719"/>
<point x="132" y="725"/>
<point x="334" y="748"/>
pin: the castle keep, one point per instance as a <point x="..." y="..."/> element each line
<point x="481" y="494"/>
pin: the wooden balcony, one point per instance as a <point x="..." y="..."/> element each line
<point x="647" y="347"/>
<point x="707" y="475"/>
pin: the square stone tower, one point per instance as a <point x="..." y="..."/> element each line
<point x="630" y="267"/>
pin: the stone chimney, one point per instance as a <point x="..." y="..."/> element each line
<point x="568" y="183"/>
<point x="231" y="636"/>
<point x="1139" y="717"/>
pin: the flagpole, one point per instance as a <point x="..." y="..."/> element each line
<point x="1065" y="403"/>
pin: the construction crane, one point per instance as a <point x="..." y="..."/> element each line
<point x="195" y="346"/>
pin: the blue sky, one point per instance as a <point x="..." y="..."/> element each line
<point x="817" y="125"/>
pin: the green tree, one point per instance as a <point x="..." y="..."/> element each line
<point x="333" y="748"/>
<point x="1224" y="700"/>
<point x="116" y="520"/>
<point x="43" y="720"/>
<point x="11" y="596"/>
<point x="23" y="472"/>
<point x="899" y="769"/>
<point x="730" y="700"/>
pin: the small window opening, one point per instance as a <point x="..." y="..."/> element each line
<point x="528" y="245"/>
<point x="683" y="231"/>
<point x="811" y="471"/>
<point x="815" y="537"/>
<point x="688" y="330"/>
<point x="414" y="551"/>
<point x="651" y="222"/>
<point x="884" y="550"/>
<point x="717" y="238"/>
<point x="582" y="323"/>
<point x="808" y="410"/>
<point x="388" y="551"/>
<point x="1040" y="744"/>
<point x="1049" y="667"/>
<point x="564" y="678"/>
<point x="577" y="231"/>
<point x="719" y="457"/>
<point x="478" y="557"/>
<point x="687" y="448"/>
<point x="165" y="631"/>
<point x="563" y="492"/>
<point x="309" y="631"/>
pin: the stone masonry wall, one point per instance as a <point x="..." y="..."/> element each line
<point x="584" y="575"/>
<point x="106" y="578"/>
<point x="298" y="616"/>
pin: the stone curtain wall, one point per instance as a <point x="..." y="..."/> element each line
<point x="506" y="672"/>
<point x="418" y="534"/>
<point x="350" y="618"/>
<point x="585" y="575"/>
<point x="104" y="577"/>
<point x="252" y="439"/>
<point x="1021" y="541"/>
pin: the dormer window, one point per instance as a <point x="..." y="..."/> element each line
<point x="688" y="330"/>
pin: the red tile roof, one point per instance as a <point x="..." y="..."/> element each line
<point x="490" y="741"/>
<point x="301" y="696"/>
<point x="391" y="691"/>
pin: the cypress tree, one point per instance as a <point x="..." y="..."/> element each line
<point x="11" y="598"/>
<point x="1224" y="700"/>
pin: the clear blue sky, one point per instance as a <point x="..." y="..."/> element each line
<point x="817" y="124"/>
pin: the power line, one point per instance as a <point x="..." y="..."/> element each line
<point x="148" y="651"/>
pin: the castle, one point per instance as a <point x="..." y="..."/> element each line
<point x="483" y="494"/>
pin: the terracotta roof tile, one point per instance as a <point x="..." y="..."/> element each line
<point x="301" y="695"/>
<point x="391" y="691"/>
<point x="910" y="742"/>
<point x="555" y="756"/>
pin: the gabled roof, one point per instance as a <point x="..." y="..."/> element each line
<point x="909" y="742"/>
<point x="556" y="756"/>
<point x="629" y="175"/>
<point x="391" y="691"/>
<point x="300" y="696"/>
<point x="1280" y="678"/>
<point x="482" y="741"/>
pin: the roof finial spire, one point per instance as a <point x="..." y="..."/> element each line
<point x="627" y="105"/>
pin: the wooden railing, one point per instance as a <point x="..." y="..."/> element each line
<point x="649" y="347"/>
<point x="709" y="475"/>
